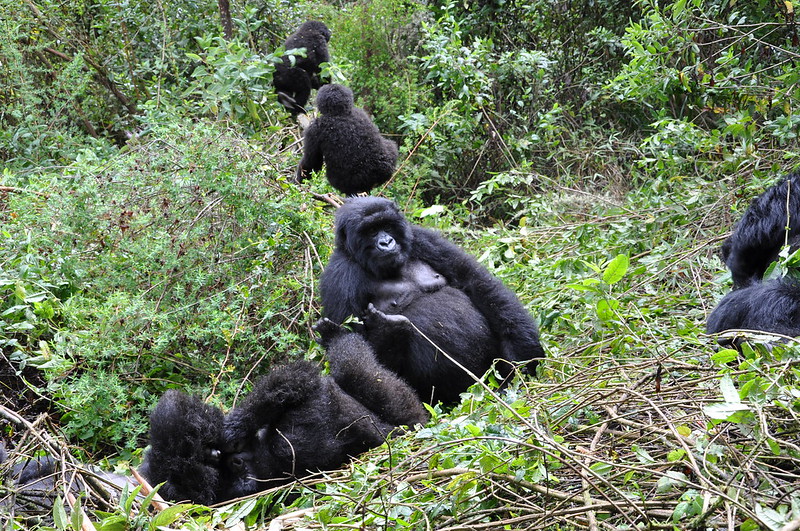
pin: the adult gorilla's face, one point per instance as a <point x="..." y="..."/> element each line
<point x="372" y="232"/>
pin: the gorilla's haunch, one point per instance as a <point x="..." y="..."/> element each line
<point x="772" y="306"/>
<point x="759" y="235"/>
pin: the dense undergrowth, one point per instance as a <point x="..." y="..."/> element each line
<point x="592" y="157"/>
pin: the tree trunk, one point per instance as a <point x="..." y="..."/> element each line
<point x="225" y="17"/>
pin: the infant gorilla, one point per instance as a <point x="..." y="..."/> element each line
<point x="294" y="422"/>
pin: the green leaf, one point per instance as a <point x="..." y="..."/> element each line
<point x="642" y="455"/>
<point x="170" y="514"/>
<point x="616" y="269"/>
<point x="606" y="309"/>
<point x="76" y="519"/>
<point x="724" y="411"/>
<point x="59" y="514"/>
<point x="724" y="356"/>
<point x="772" y="518"/>
<point x="729" y="391"/>
<point x="676" y="455"/>
<point x="601" y="469"/>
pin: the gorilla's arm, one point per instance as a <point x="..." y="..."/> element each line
<point x="507" y="317"/>
<point x="344" y="288"/>
<point x="312" y="152"/>
<point x="358" y="373"/>
<point x="282" y="389"/>
<point x="318" y="53"/>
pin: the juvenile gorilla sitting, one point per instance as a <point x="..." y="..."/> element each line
<point x="293" y="82"/>
<point x="356" y="157"/>
<point x="395" y="275"/>
<point x="759" y="235"/>
<point x="293" y="422"/>
<point x="772" y="306"/>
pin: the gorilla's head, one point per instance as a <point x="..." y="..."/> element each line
<point x="372" y="232"/>
<point x="315" y="26"/>
<point x="186" y="435"/>
<point x="335" y="100"/>
<point x="252" y="468"/>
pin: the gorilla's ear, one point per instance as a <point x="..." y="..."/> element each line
<point x="341" y="235"/>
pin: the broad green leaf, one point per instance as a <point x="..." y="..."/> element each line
<point x="723" y="411"/>
<point x="676" y="455"/>
<point x="601" y="469"/>
<point x="606" y="309"/>
<point x="76" y="519"/>
<point x="729" y="391"/>
<point x="170" y="514"/>
<point x="616" y="269"/>
<point x="59" y="514"/>
<point x="724" y="356"/>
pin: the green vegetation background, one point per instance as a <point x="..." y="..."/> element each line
<point x="592" y="155"/>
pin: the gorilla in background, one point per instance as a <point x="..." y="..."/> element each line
<point x="293" y="422"/>
<point x="392" y="274"/>
<point x="293" y="82"/>
<point x="761" y="233"/>
<point x="772" y="306"/>
<point x="357" y="158"/>
<point x="30" y="486"/>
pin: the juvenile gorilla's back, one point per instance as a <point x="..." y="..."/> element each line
<point x="356" y="155"/>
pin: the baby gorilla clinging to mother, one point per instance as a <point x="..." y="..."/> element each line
<point x="294" y="422"/>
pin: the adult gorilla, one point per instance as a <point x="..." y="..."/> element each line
<point x="759" y="235"/>
<point x="395" y="274"/>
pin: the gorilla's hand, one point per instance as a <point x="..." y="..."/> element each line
<point x="374" y="318"/>
<point x="327" y="330"/>
<point x="301" y="174"/>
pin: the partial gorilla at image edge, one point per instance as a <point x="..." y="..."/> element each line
<point x="760" y="234"/>
<point x="772" y="306"/>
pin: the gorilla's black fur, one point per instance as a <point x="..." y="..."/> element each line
<point x="393" y="274"/>
<point x="186" y="442"/>
<point x="356" y="157"/>
<point x="772" y="306"/>
<point x="294" y="421"/>
<point x="293" y="82"/>
<point x="759" y="235"/>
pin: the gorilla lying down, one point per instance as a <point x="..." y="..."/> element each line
<point x="405" y="281"/>
<point x="772" y="306"/>
<point x="29" y="486"/>
<point x="294" y="422"/>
